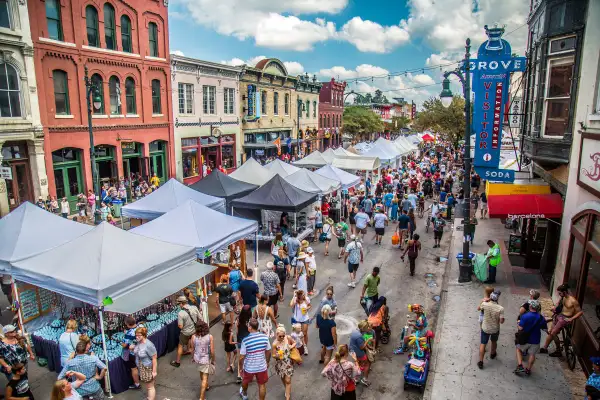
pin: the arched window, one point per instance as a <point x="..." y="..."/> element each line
<point x="130" y="105"/>
<point x="5" y="14"/>
<point x="153" y="39"/>
<point x="286" y="106"/>
<point x="61" y="92"/>
<point x="91" y="23"/>
<point x="114" y="93"/>
<point x="10" y="94"/>
<point x="307" y="108"/>
<point x="126" y="34"/>
<point x="99" y="85"/>
<point x="156" y="108"/>
<point x="275" y="103"/>
<point x="53" y="20"/>
<point x="328" y="121"/>
<point x="110" y="36"/>
<point x="314" y="109"/>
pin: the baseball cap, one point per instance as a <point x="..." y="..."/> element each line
<point x="8" y="328"/>
<point x="182" y="299"/>
<point x="495" y="295"/>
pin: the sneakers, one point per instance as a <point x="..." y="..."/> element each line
<point x="175" y="364"/>
<point x="493" y="355"/>
<point x="353" y="284"/>
<point x="242" y="395"/>
<point x="305" y="350"/>
<point x="480" y="364"/>
<point x="135" y="387"/>
<point x="542" y="350"/>
<point x="519" y="369"/>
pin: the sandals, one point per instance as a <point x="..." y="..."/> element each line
<point x="365" y="382"/>
<point x="175" y="364"/>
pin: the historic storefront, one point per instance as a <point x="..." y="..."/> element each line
<point x="331" y="112"/>
<point x="308" y="90"/>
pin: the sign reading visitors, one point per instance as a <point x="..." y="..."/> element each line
<point x="491" y="79"/>
<point x="6" y="173"/>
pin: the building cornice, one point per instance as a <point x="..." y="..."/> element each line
<point x="84" y="128"/>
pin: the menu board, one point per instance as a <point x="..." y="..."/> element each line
<point x="34" y="301"/>
<point x="46" y="297"/>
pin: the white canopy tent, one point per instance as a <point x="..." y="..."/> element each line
<point x="279" y="167"/>
<point x="192" y="224"/>
<point x="168" y="197"/>
<point x="329" y="155"/>
<point x="340" y="151"/>
<point x="405" y="148"/>
<point x="391" y="147"/>
<point x="384" y="155"/>
<point x="346" y="179"/>
<point x="358" y="163"/>
<point x="28" y="230"/>
<point x="406" y="143"/>
<point x="313" y="160"/>
<point x="312" y="182"/>
<point x="252" y="172"/>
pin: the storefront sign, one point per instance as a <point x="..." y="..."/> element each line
<point x="6" y="173"/>
<point x="514" y="115"/>
<point x="497" y="189"/>
<point x="251" y="101"/>
<point x="259" y="152"/>
<point x="491" y="79"/>
<point x="496" y="175"/>
<point x="588" y="173"/>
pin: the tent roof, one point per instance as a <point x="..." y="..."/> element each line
<point x="340" y="151"/>
<point x="279" y="167"/>
<point x="428" y="137"/>
<point x="380" y="152"/>
<point x="29" y="230"/>
<point x="105" y="261"/>
<point x="346" y="179"/>
<point x="329" y="155"/>
<point x="359" y="163"/>
<point x="276" y="195"/>
<point x="252" y="172"/>
<point x="404" y="142"/>
<point x="314" y="159"/>
<point x="389" y="147"/>
<point x="222" y="185"/>
<point x="312" y="182"/>
<point x="168" y="197"/>
<point x="352" y="149"/>
<point x="192" y="224"/>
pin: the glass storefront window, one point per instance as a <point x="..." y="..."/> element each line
<point x="157" y="145"/>
<point x="596" y="231"/>
<point x="65" y="155"/>
<point x="189" y="142"/>
<point x="260" y="138"/>
<point x="206" y="141"/>
<point x="575" y="266"/>
<point x="273" y="136"/>
<point x="591" y="296"/>
<point x="227" y="156"/>
<point x="189" y="160"/>
<point x="13" y="152"/>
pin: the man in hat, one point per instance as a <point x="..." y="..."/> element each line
<point x="271" y="286"/>
<point x="187" y="318"/>
<point x="493" y="316"/>
<point x="311" y="269"/>
<point x="530" y="325"/>
<point x="353" y="253"/>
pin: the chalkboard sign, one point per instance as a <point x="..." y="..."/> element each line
<point x="46" y="298"/>
<point x="30" y="308"/>
<point x="514" y="244"/>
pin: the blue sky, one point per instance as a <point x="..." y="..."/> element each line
<point x="344" y="38"/>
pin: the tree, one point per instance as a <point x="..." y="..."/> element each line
<point x="378" y="97"/>
<point x="397" y="124"/>
<point x="359" y="99"/>
<point x="368" y="99"/>
<point x="359" y="121"/>
<point x="449" y="122"/>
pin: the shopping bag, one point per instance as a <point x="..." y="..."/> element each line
<point x="480" y="267"/>
<point x="395" y="239"/>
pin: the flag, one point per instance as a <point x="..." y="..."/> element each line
<point x="278" y="144"/>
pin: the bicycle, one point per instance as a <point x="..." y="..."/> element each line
<point x="567" y="344"/>
<point x="420" y="210"/>
<point x="428" y="220"/>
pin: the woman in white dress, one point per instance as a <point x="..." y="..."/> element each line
<point x="301" y="273"/>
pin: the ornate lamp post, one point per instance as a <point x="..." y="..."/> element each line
<point x="464" y="76"/>
<point x="92" y="96"/>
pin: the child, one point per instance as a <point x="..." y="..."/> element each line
<point x="298" y="337"/>
<point x="18" y="385"/>
<point x="230" y="348"/>
<point x="138" y="192"/>
<point x="128" y="356"/>
<point x="65" y="208"/>
<point x="488" y="290"/>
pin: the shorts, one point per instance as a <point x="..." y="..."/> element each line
<point x="341" y="243"/>
<point x="363" y="230"/>
<point x="352" y="268"/>
<point x="273" y="300"/>
<point x="225" y="308"/>
<point x="530" y="348"/>
<point x="363" y="362"/>
<point x="130" y="363"/>
<point x="485" y="337"/>
<point x="438" y="234"/>
<point x="332" y="347"/>
<point x="295" y="321"/>
<point x="318" y="226"/>
<point x="99" y="395"/>
<point x="184" y="339"/>
<point x="261" y="377"/>
<point x="558" y="322"/>
<point x="484" y="206"/>
<point x="379" y="231"/>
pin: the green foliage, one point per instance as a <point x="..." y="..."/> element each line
<point x="377" y="98"/>
<point x="397" y="124"/>
<point x="358" y="121"/>
<point x="449" y="122"/>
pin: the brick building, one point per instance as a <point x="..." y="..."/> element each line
<point x="331" y="111"/>
<point x="125" y="46"/>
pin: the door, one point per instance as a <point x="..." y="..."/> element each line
<point x="68" y="184"/>
<point x="19" y="187"/>
<point x="157" y="166"/>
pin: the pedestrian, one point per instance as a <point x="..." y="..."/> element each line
<point x="370" y="291"/>
<point x="187" y="318"/>
<point x="40" y="203"/>
<point x="327" y="334"/>
<point x="358" y="345"/>
<point x="249" y="290"/>
<point x="127" y="355"/>
<point x="494" y="258"/>
<point x="380" y="219"/>
<point x="104" y="211"/>
<point x="88" y="365"/>
<point x="272" y="287"/>
<point x="533" y="295"/>
<point x="419" y="324"/>
<point x="528" y="336"/>
<point x="67" y="342"/>
<point x="592" y="385"/>
<point x="362" y="219"/>
<point x="327" y="234"/>
<point x="328" y="299"/>
<point x="413" y="223"/>
<point x="224" y="299"/>
<point x="493" y="316"/>
<point x="235" y="278"/>
<point x="81" y="205"/>
<point x="301" y="306"/>
<point x="292" y="246"/>
<point x="406" y="204"/>
<point x="378" y="317"/>
<point x="283" y="345"/>
<point x="487" y="292"/>
<point x="412" y="248"/>
<point x="301" y="272"/>
<point x="276" y="244"/>
<point x="265" y="316"/>
<point x="394" y="213"/>
<point x="567" y="311"/>
<point x="351" y="218"/>
<point x="65" y="208"/>
<point x="91" y="204"/>
<point x="387" y="201"/>
<point x="484" y="204"/>
<point x="65" y="389"/>
<point x="403" y="227"/>
<point x="255" y="354"/>
<point x="242" y="332"/>
<point x="18" y="384"/>
<point x="311" y="269"/>
<point x="438" y="230"/>
<point x="53" y="205"/>
<point x="229" y="343"/>
<point x="342" y="374"/>
<point x="203" y="349"/>
<point x="147" y="362"/>
<point x="450" y="201"/>
<point x="353" y="254"/>
<point x="340" y="231"/>
<point x="14" y="349"/>
<point x="318" y="217"/>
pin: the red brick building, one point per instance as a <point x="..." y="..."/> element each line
<point x="331" y="110"/>
<point x="125" y="46"/>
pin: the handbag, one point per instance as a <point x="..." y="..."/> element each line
<point x="370" y="354"/>
<point x="395" y="239"/>
<point x="322" y="237"/>
<point x="212" y="369"/>
<point x="295" y="356"/>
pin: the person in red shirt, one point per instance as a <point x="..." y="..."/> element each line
<point x="325" y="209"/>
<point x="388" y="179"/>
<point x="413" y="183"/>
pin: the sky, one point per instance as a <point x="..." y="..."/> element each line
<point x="404" y="45"/>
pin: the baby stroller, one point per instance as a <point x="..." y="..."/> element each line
<point x="385" y="331"/>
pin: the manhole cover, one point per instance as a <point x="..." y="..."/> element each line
<point x="345" y="325"/>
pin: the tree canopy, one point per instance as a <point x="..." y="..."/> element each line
<point x="378" y="98"/>
<point x="359" y="120"/>
<point x="449" y="122"/>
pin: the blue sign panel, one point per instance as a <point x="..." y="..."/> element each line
<point x="251" y="112"/>
<point x="491" y="79"/>
<point x="496" y="175"/>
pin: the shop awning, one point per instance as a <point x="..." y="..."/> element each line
<point x="526" y="206"/>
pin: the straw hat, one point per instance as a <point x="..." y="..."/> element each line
<point x="301" y="256"/>
<point x="329" y="221"/>
<point x="305" y="243"/>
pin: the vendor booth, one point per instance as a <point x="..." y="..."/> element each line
<point x="166" y="198"/>
<point x="312" y="182"/>
<point x="329" y="155"/>
<point x="346" y="179"/>
<point x="358" y="163"/>
<point x="218" y="184"/>
<point x="96" y="279"/>
<point x="313" y="160"/>
<point x="279" y="167"/>
<point x="387" y="155"/>
<point x="340" y="151"/>
<point x="252" y="172"/>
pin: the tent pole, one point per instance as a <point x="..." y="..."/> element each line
<point x="205" y="301"/>
<point x="16" y="297"/>
<point x="107" y="376"/>
<point x="256" y="257"/>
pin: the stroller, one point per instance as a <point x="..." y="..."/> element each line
<point x="386" y="333"/>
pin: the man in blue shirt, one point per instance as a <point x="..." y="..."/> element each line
<point x="443" y="195"/>
<point x="403" y="225"/>
<point x="249" y="290"/>
<point x="531" y="324"/>
<point x="88" y="366"/>
<point x="450" y="201"/>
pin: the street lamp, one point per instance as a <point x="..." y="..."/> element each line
<point x="465" y="266"/>
<point x="301" y="108"/>
<point x="92" y="96"/>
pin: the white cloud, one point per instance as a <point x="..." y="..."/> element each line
<point x="178" y="53"/>
<point x="291" y="33"/>
<point x="369" y="36"/>
<point x="293" y="67"/>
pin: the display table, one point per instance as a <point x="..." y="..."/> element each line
<point x="269" y="238"/>
<point x="165" y="340"/>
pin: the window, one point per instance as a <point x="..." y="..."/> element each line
<point x="91" y="23"/>
<point x="186" y="98"/>
<point x="10" y="95"/>
<point x="189" y="157"/>
<point x="99" y="85"/>
<point x="229" y="101"/>
<point x="126" y="34"/>
<point x="209" y="94"/>
<point x="228" y="156"/>
<point x="275" y="103"/>
<point x="4" y="14"/>
<point x="321" y="120"/>
<point x="109" y="27"/>
<point x="286" y="105"/>
<point x="156" y="108"/>
<point x="314" y="109"/>
<point x="130" y="105"/>
<point x="558" y="98"/>
<point x="328" y="121"/>
<point x="114" y="94"/>
<point x="153" y="39"/>
<point x="61" y="92"/>
<point x="557" y="17"/>
<point x="307" y="109"/>
<point x="263" y="100"/>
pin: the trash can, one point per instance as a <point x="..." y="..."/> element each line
<point x="465" y="271"/>
<point x="117" y="204"/>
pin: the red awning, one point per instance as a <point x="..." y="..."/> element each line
<point x="526" y="206"/>
<point x="428" y="138"/>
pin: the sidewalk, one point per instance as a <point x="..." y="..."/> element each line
<point x="454" y="374"/>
